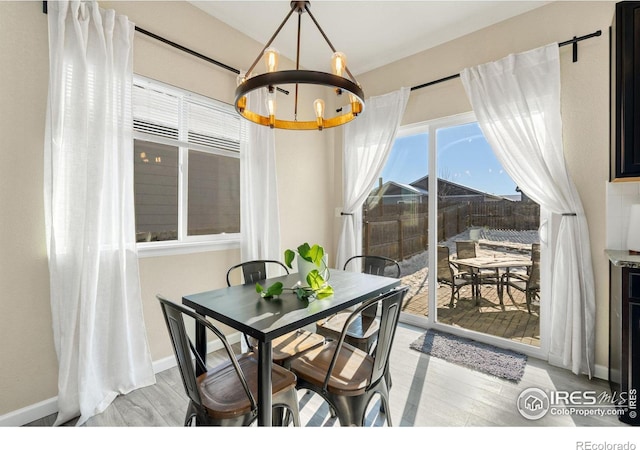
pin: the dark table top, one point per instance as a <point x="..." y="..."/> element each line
<point x="242" y="308"/>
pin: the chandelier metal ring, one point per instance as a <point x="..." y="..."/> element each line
<point x="272" y="79"/>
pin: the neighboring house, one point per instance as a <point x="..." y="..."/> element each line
<point x="393" y="193"/>
<point x="453" y="192"/>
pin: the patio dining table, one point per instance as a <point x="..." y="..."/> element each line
<point x="243" y="309"/>
<point x="495" y="262"/>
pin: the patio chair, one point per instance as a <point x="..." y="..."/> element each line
<point x="467" y="249"/>
<point x="446" y="274"/>
<point x="347" y="377"/>
<point x="290" y="344"/>
<point x="528" y="283"/>
<point x="224" y="395"/>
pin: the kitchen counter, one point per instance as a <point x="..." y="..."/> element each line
<point x="622" y="258"/>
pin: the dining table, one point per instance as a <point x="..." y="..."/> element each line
<point x="242" y="308"/>
<point x="497" y="262"/>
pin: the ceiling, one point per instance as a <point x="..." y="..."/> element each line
<point x="371" y="33"/>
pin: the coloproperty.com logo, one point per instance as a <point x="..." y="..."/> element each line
<point x="534" y="403"/>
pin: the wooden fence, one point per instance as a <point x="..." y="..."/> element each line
<point x="401" y="231"/>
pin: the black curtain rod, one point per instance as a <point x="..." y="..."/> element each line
<point x="180" y="47"/>
<point x="186" y="50"/>
<point x="573" y="42"/>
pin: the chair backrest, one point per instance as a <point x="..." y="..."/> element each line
<point x="466" y="249"/>
<point x="445" y="272"/>
<point x="535" y="252"/>
<point x="534" y="270"/>
<point x="391" y="304"/>
<point x="254" y="271"/>
<point x="186" y="352"/>
<point x="375" y="265"/>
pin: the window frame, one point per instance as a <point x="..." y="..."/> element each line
<point x="185" y="244"/>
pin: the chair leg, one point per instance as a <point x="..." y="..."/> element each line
<point x="285" y="408"/>
<point x="528" y="298"/>
<point x="387" y="377"/>
<point x="191" y="415"/>
<point x="384" y="401"/>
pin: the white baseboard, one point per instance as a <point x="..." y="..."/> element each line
<point x="47" y="407"/>
<point x="30" y="413"/>
<point x="601" y="372"/>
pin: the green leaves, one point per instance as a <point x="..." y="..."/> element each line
<point x="272" y="291"/>
<point x="318" y="287"/>
<point x="312" y="254"/>
<point x="288" y="258"/>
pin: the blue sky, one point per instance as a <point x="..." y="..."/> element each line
<point x="464" y="157"/>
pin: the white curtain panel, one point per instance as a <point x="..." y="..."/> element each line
<point x="367" y="142"/>
<point x="517" y="103"/>
<point x="259" y="211"/>
<point x="98" y="325"/>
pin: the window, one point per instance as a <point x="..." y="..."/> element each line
<point x="186" y="169"/>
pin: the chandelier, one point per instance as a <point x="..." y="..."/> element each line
<point x="341" y="81"/>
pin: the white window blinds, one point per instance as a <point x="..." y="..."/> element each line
<point x="191" y="120"/>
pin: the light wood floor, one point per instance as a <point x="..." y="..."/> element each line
<point x="427" y="392"/>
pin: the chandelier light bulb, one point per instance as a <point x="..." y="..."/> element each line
<point x="356" y="107"/>
<point x="271" y="108"/>
<point x="271" y="56"/>
<point x="338" y="63"/>
<point x="318" y="108"/>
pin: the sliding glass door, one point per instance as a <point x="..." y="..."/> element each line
<point x="443" y="197"/>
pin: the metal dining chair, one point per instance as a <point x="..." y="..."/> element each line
<point x="363" y="331"/>
<point x="347" y="377"/>
<point x="289" y="345"/>
<point x="224" y="395"/>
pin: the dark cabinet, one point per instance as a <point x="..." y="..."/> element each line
<point x="625" y="92"/>
<point x="624" y="340"/>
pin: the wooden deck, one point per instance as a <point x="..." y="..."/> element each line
<point x="511" y="322"/>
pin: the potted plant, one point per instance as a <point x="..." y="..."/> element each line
<point x="311" y="262"/>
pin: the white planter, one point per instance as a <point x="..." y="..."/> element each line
<point x="304" y="267"/>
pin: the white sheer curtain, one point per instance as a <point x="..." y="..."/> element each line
<point x="98" y="325"/>
<point x="367" y="142"/>
<point x="517" y="102"/>
<point x="259" y="214"/>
